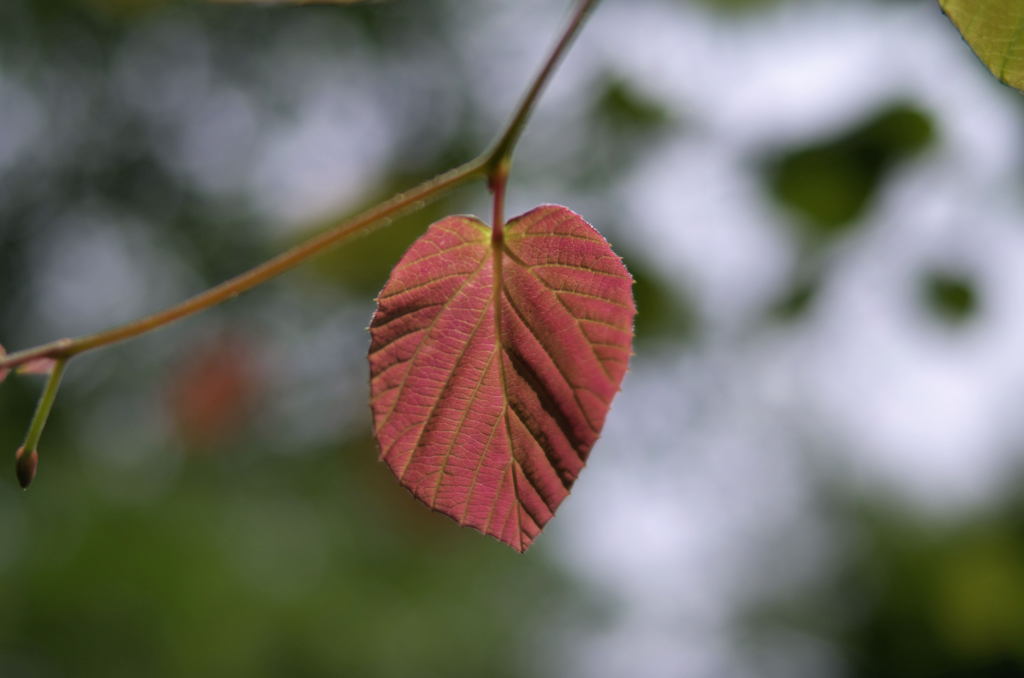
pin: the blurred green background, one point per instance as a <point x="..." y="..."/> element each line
<point x="814" y="468"/>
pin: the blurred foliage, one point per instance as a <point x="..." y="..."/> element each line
<point x="664" y="316"/>
<point x="621" y="106"/>
<point x="738" y="6"/>
<point x="951" y="297"/>
<point x="741" y="7"/>
<point x="828" y="184"/>
<point x="256" y="565"/>
<point x="624" y="124"/>
<point x="797" y="300"/>
<point x="912" y="596"/>
<point x="941" y="600"/>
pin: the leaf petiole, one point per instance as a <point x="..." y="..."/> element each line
<point x="28" y="455"/>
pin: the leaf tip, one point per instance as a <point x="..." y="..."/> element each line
<point x="26" y="466"/>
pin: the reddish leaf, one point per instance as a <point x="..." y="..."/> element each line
<point x="38" y="366"/>
<point x="489" y="417"/>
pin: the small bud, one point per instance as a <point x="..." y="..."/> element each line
<point x="27" y="465"/>
<point x="3" y="370"/>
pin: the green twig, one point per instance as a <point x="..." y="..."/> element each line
<point x="28" y="455"/>
<point x="499" y="155"/>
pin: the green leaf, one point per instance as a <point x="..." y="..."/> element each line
<point x="995" y="31"/>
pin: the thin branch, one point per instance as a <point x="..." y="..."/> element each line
<point x="362" y="223"/>
<point x="493" y="163"/>
<point x="501" y="152"/>
<point x="43" y="407"/>
<point x="27" y="456"/>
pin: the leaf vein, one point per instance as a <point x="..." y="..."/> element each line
<point x="558" y="368"/>
<point x="413" y="288"/>
<point x="429" y="329"/>
<point x="458" y="430"/>
<point x="479" y="465"/>
<point x="562" y="290"/>
<point x="439" y="399"/>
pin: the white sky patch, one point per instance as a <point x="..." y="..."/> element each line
<point x="924" y="408"/>
<point x="98" y="271"/>
<point x="331" y="152"/>
<point x="698" y="214"/>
